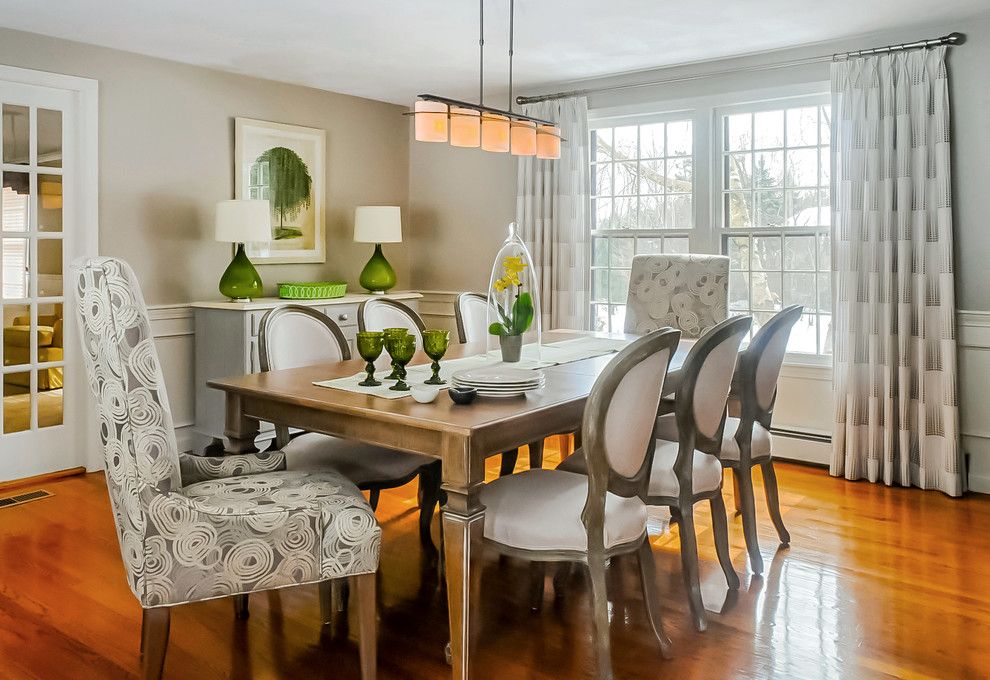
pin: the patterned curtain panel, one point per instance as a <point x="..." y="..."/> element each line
<point x="897" y="416"/>
<point x="552" y="208"/>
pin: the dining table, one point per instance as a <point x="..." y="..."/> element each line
<point x="461" y="436"/>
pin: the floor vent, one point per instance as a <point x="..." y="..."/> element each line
<point x="20" y="499"/>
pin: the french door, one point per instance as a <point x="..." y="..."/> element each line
<point x="44" y="389"/>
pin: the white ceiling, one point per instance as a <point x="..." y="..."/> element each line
<point x="393" y="49"/>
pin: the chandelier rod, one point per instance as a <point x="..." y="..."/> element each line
<point x="512" y="12"/>
<point x="481" y="51"/>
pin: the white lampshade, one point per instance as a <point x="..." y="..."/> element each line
<point x="243" y="220"/>
<point x="377" y="224"/>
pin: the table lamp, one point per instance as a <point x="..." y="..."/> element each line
<point x="240" y="221"/>
<point x="377" y="224"/>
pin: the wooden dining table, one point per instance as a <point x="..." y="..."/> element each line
<point x="462" y="437"/>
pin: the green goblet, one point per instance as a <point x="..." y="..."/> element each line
<point x="435" y="343"/>
<point x="402" y="350"/>
<point x="393" y="333"/>
<point x="370" y="345"/>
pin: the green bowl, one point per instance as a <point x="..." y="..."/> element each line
<point x="315" y="290"/>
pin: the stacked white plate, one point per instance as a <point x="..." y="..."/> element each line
<point x="499" y="381"/>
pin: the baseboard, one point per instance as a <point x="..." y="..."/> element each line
<point x="979" y="483"/>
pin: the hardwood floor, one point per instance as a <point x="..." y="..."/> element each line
<point x="877" y="583"/>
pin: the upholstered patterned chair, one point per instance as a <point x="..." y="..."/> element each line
<point x="193" y="528"/>
<point x="689" y="292"/>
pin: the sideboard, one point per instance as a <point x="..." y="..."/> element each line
<point x="227" y="344"/>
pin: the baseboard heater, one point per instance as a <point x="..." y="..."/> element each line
<point x="800" y="434"/>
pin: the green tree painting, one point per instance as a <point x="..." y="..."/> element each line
<point x="289" y="188"/>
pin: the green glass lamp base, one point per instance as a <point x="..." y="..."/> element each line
<point x="241" y="280"/>
<point x="378" y="275"/>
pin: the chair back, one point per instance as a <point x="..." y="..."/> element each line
<point x="689" y="292"/>
<point x="759" y="366"/>
<point x="294" y="336"/>
<point x="471" y="314"/>
<point x="131" y="402"/>
<point x="703" y="391"/>
<point x="376" y="315"/>
<point x="619" y="418"/>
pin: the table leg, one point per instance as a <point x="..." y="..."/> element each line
<point x="239" y="429"/>
<point x="463" y="527"/>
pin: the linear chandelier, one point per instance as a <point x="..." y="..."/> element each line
<point x="467" y="125"/>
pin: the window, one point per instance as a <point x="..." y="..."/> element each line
<point x="774" y="216"/>
<point x="750" y="181"/>
<point x="642" y="179"/>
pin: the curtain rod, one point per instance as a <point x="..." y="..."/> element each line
<point x="954" y="38"/>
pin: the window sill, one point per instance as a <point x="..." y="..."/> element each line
<point x="806" y="370"/>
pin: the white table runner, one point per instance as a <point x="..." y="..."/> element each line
<point x="533" y="357"/>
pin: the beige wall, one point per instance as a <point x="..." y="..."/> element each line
<point x="460" y="204"/>
<point x="166" y="149"/>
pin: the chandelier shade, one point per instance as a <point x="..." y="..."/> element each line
<point x="465" y="127"/>
<point x="495" y="133"/>
<point x="431" y="121"/>
<point x="523" y="138"/>
<point x="548" y="142"/>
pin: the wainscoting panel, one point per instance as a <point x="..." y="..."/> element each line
<point x="974" y="395"/>
<point x="172" y="328"/>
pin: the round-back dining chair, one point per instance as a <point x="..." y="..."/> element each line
<point x="746" y="442"/>
<point x="559" y="516"/>
<point x="472" y="317"/>
<point x="294" y="335"/>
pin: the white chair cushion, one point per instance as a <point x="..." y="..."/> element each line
<point x="360" y="463"/>
<point x="706" y="474"/>
<point x="541" y="510"/>
<point x="762" y="443"/>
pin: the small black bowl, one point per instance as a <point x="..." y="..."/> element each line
<point x="462" y="395"/>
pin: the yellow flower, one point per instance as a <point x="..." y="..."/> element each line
<point x="513" y="265"/>
<point x="499" y="285"/>
<point x="513" y="279"/>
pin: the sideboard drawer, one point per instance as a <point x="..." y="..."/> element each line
<point x="342" y="315"/>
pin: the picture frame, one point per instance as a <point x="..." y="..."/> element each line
<point x="286" y="165"/>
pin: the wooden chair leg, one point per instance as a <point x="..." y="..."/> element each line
<point x="536" y="455"/>
<point x="537" y="580"/>
<point x="373" y="496"/>
<point x="241" y="611"/>
<point x="749" y="518"/>
<point x="735" y="490"/>
<point x="508" y="462"/>
<point x="364" y="584"/>
<point x="154" y="641"/>
<point x="647" y="573"/>
<point x="720" y="529"/>
<point x="599" y="591"/>
<point x="773" y="501"/>
<point x="429" y="496"/>
<point x="689" y="567"/>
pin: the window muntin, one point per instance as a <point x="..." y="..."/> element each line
<point x="774" y="215"/>
<point x="642" y="179"/>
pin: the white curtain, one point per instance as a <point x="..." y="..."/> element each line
<point x="896" y="416"/>
<point x="552" y="208"/>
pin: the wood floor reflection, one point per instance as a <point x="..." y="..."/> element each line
<point x="878" y="583"/>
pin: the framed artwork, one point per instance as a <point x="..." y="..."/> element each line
<point x="285" y="165"/>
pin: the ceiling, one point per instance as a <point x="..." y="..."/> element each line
<point x="393" y="49"/>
